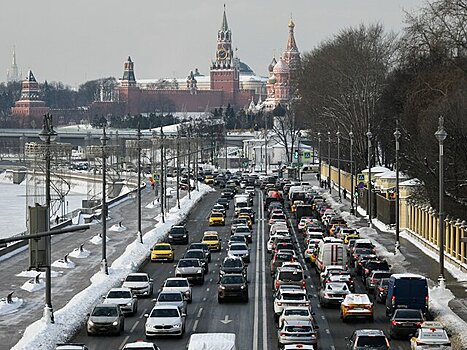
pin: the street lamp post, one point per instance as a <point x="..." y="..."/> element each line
<point x="48" y="135"/>
<point x="397" y="135"/>
<point x="441" y="135"/>
<point x="352" y="210"/>
<point x="138" y="137"/>
<point x="329" y="162"/>
<point x="178" y="167"/>
<point x="338" y="134"/>
<point x="104" y="267"/>
<point x="161" y="177"/>
<point x="319" y="156"/>
<point x="369" y="135"/>
<point x="299" y="134"/>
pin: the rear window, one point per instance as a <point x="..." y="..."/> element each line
<point x="296" y="312"/>
<point x="290" y="276"/>
<point x="381" y="275"/>
<point x="401" y="313"/>
<point x="404" y="286"/>
<point x="292" y="296"/>
<point x="284" y="257"/>
<point x="371" y="341"/>
<point x="298" y="329"/>
<point x="378" y="265"/>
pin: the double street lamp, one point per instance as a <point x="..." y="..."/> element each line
<point x="397" y="135"/>
<point x="369" y="135"/>
<point x="329" y="162"/>
<point x="338" y="134"/>
<point x="104" y="138"/>
<point x="441" y="135"/>
<point x="352" y="211"/>
<point x="48" y="135"/>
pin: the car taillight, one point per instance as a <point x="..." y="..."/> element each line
<point x="393" y="300"/>
<point x="369" y="307"/>
<point x="293" y="260"/>
<point x="381" y="289"/>
<point x="277" y="284"/>
<point x="355" y="256"/>
<point x="373" y="280"/>
<point x="419" y="324"/>
<point x="283" y="334"/>
<point x="426" y="300"/>
<point x="395" y="323"/>
<point x="366" y="271"/>
<point x="303" y="284"/>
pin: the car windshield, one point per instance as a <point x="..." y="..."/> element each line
<point x="188" y="263"/>
<point x="176" y="283"/>
<point x="217" y="215"/>
<point x="372" y="341"/>
<point x="162" y="247"/>
<point x="170" y="297"/>
<point x="197" y="246"/>
<point x="237" y="239"/>
<point x="293" y="276"/>
<point x="105" y="311"/>
<point x="194" y="254"/>
<point x="242" y="229"/>
<point x="164" y="313"/>
<point x="210" y="238"/>
<point x="298" y="329"/>
<point x="179" y="230"/>
<point x="296" y="312"/>
<point x="238" y="247"/>
<point x="229" y="279"/>
<point x="137" y="278"/>
<point x="232" y="263"/>
<point x="293" y="296"/>
<point x="400" y="313"/>
<point x="119" y="294"/>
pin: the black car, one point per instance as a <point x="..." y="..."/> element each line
<point x="405" y="322"/>
<point x="373" y="265"/>
<point x="248" y="211"/>
<point x="178" y="234"/>
<point x="232" y="286"/>
<point x="231" y="265"/>
<point x="381" y="290"/>
<point x="203" y="246"/>
<point x="227" y="193"/>
<point x="224" y="202"/>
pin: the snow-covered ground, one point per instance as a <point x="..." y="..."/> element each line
<point x="42" y="335"/>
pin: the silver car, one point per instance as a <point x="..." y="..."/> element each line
<point x="192" y="269"/>
<point x="297" y="332"/>
<point x="124" y="298"/>
<point x="140" y="284"/>
<point x="105" y="318"/>
<point x="333" y="293"/>
<point x="172" y="298"/>
<point x="239" y="249"/>
<point x="178" y="284"/>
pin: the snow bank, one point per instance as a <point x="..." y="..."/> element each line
<point x="80" y="253"/>
<point x="117" y="228"/>
<point x="33" y="285"/>
<point x="8" y="308"/>
<point x="69" y="319"/>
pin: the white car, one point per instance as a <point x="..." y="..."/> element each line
<point x="430" y="335"/>
<point x="288" y="296"/>
<point x="165" y="320"/>
<point x="140" y="284"/>
<point x="292" y="264"/>
<point x="239" y="249"/>
<point x="178" y="284"/>
<point x="124" y="298"/>
<point x="141" y="345"/>
<point x="172" y="298"/>
<point x="296" y="313"/>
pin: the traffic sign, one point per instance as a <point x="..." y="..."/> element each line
<point x="360" y="177"/>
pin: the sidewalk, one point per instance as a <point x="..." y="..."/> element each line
<point x="409" y="259"/>
<point x="66" y="283"/>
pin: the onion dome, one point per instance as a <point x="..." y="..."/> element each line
<point x="281" y="67"/>
<point x="272" y="64"/>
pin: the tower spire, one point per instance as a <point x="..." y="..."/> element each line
<point x="13" y="62"/>
<point x="225" y="26"/>
<point x="291" y="44"/>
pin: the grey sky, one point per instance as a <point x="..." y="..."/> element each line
<point x="76" y="41"/>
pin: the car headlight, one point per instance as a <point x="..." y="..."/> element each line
<point x="129" y="304"/>
<point x="90" y="323"/>
<point x="170" y="236"/>
<point x="178" y="325"/>
<point x="221" y="272"/>
<point x="187" y="293"/>
<point x="199" y="271"/>
<point x="184" y="236"/>
<point x="242" y="287"/>
<point x="115" y="323"/>
<point x="221" y="287"/>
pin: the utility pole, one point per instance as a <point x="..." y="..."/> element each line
<point x="397" y="135"/>
<point x="189" y="160"/>
<point x="338" y="134"/>
<point x="352" y="211"/>
<point x="104" y="267"/>
<point x="196" y="163"/>
<point x="178" y="167"/>
<point x="369" y="136"/>
<point x="138" y="140"/>
<point x="161" y="177"/>
<point x="329" y="162"/>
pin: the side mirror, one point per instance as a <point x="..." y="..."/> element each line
<point x="183" y="314"/>
<point x="346" y="338"/>
<point x="122" y="280"/>
<point x="88" y="315"/>
<point x="146" y="315"/>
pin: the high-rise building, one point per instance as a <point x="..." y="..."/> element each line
<point x="13" y="74"/>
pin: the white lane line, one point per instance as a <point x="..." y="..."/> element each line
<point x="142" y="315"/>
<point x="195" y="325"/>
<point x="204" y="299"/>
<point x="199" y="312"/>
<point x="210" y="280"/>
<point x="134" y="326"/>
<point x="124" y="341"/>
<point x="207" y="290"/>
<point x="328" y="331"/>
<point x="263" y="277"/>
<point x="333" y="347"/>
<point x="256" y="307"/>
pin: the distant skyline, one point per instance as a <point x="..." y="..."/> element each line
<point x="74" y="42"/>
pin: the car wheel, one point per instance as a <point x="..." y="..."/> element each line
<point x="190" y="300"/>
<point x="220" y="300"/>
<point x="89" y="334"/>
<point x="135" y="310"/>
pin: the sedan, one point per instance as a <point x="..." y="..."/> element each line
<point x="232" y="286"/>
<point x="172" y="298"/>
<point x="333" y="293"/>
<point x="190" y="269"/>
<point x="124" y="298"/>
<point x="105" y="318"/>
<point x="243" y="231"/>
<point x="356" y="305"/>
<point x="202" y="246"/>
<point x="381" y="290"/>
<point x="139" y="283"/>
<point x="296" y="332"/>
<point x="431" y="335"/>
<point x="405" y="322"/>
<point x="198" y="254"/>
<point x="297" y="313"/>
<point x="240" y="250"/>
<point x="178" y="284"/>
<point x="165" y="320"/>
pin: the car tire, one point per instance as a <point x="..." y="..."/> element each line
<point x="190" y="300"/>
<point x="220" y="300"/>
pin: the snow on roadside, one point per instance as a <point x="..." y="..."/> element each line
<point x="8" y="308"/>
<point x="69" y="319"/>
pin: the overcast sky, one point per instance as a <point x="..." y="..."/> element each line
<point x="76" y="41"/>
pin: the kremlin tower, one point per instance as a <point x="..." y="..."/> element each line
<point x="30" y="103"/>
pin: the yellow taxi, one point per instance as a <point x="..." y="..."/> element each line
<point x="209" y="179"/>
<point x="216" y="218"/>
<point x="356" y="305"/>
<point x="211" y="238"/>
<point x="162" y="251"/>
<point x="430" y="335"/>
<point x="333" y="228"/>
<point x="295" y="204"/>
<point x="350" y="236"/>
<point x="248" y="218"/>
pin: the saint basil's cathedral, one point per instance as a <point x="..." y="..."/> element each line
<point x="230" y="81"/>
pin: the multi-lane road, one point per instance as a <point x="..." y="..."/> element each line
<point x="252" y="322"/>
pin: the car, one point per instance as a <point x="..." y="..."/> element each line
<point x="296" y="332"/>
<point x="356" y="305"/>
<point x="362" y="259"/>
<point x="232" y="264"/>
<point x="237" y="222"/>
<point x="172" y="298"/>
<point x="283" y="246"/>
<point x="407" y="291"/>
<point x="216" y="218"/>
<point x="357" y="253"/>
<point x="341" y="276"/>
<point x="71" y="346"/>
<point x="178" y="284"/>
<point x="299" y="313"/>
<point x="105" y="319"/>
<point x="245" y="231"/>
<point x="380" y="291"/>
<point x="232" y="286"/>
<point x="198" y="254"/>
<point x="292" y="264"/>
<point x="140" y="284"/>
<point x="237" y="239"/>
<point x="430" y="335"/>
<point x="289" y="276"/>
<point x="405" y="322"/>
<point x="250" y="190"/>
<point x="239" y="250"/>
<point x="124" y="298"/>
<point x="190" y="269"/>
<point x="219" y="208"/>
<point x="227" y="193"/>
<point x="249" y="212"/>
<point x="203" y="246"/>
<point x="374" y="277"/>
<point x="211" y="238"/>
<point x="178" y="234"/>
<point x="271" y="242"/>
<point x="363" y="339"/>
<point x="372" y="265"/>
<point x="141" y="345"/>
<point x="209" y="180"/>
<point x="288" y="296"/>
<point x="224" y="202"/>
<point x="278" y="258"/>
<point x="333" y="293"/>
<point x="165" y="320"/>
<point x="329" y="270"/>
<point x="162" y="251"/>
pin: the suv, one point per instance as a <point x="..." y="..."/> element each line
<point x="202" y="246"/>
<point x="373" y="265"/>
<point x="232" y="286"/>
<point x="232" y="264"/>
<point x="368" y="339"/>
<point x="374" y="277"/>
<point x="105" y="318"/>
<point x="140" y="283"/>
<point x="297" y="332"/>
<point x="289" y="276"/>
<point x="192" y="269"/>
<point x="178" y="234"/>
<point x="289" y="296"/>
<point x="198" y="254"/>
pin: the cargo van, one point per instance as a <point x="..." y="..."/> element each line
<point x="212" y="341"/>
<point x="332" y="253"/>
<point x="407" y="291"/>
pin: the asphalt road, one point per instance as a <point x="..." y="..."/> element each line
<point x="252" y="322"/>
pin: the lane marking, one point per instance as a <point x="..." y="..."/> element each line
<point x="256" y="307"/>
<point x="263" y="277"/>
<point x="195" y="325"/>
<point x="204" y="299"/>
<point x="328" y="331"/>
<point x="134" y="326"/>
<point x="142" y="315"/>
<point x="207" y="289"/>
<point x="124" y="341"/>
<point x="199" y="312"/>
<point x="210" y="280"/>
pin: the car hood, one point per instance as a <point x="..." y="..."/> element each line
<point x="176" y="289"/>
<point x="152" y="321"/>
<point x="189" y="269"/>
<point x="103" y="319"/>
<point x="134" y="284"/>
<point x="118" y="301"/>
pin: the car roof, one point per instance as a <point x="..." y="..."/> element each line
<point x="298" y="323"/>
<point x="161" y="244"/>
<point x="165" y="306"/>
<point x="120" y="289"/>
<point x="176" y="278"/>
<point x="209" y="233"/>
<point x="137" y="274"/>
<point x="369" y="332"/>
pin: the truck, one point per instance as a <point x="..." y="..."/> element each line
<point x="331" y="253"/>
<point x="212" y="341"/>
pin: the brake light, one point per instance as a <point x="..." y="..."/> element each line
<point x="381" y="289"/>
<point x="366" y="271"/>
<point x="395" y="323"/>
<point x="279" y="304"/>
<point x="277" y="284"/>
<point x="393" y="300"/>
<point x="283" y="334"/>
<point x="373" y="280"/>
<point x="419" y="324"/>
<point x="293" y="260"/>
<point x="355" y="256"/>
<point x="369" y="307"/>
<point x="426" y="300"/>
<point x="303" y="284"/>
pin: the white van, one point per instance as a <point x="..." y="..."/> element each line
<point x="212" y="341"/>
<point x="331" y="253"/>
